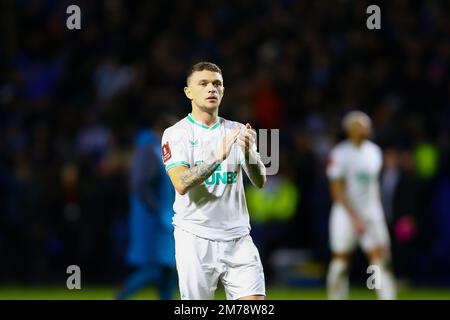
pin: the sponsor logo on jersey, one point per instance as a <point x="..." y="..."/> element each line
<point x="364" y="178"/>
<point x="226" y="177"/>
<point x="220" y="177"/>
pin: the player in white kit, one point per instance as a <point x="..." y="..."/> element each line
<point x="357" y="215"/>
<point x="204" y="155"/>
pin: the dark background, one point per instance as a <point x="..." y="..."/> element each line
<point x="72" y="100"/>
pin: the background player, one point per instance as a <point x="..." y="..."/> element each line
<point x="151" y="245"/>
<point x="211" y="220"/>
<point x="357" y="214"/>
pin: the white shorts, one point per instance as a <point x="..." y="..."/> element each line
<point x="202" y="262"/>
<point x="343" y="237"/>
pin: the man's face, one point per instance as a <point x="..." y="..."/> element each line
<point x="205" y="89"/>
<point x="359" y="129"/>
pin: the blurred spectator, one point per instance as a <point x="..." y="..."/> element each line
<point x="71" y="102"/>
<point x="151" y="245"/>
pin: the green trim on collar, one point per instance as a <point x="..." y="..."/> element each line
<point x="214" y="126"/>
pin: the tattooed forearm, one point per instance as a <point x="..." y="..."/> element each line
<point x="255" y="169"/>
<point x="198" y="174"/>
<point x="257" y="174"/>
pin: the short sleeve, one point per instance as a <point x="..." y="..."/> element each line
<point x="380" y="159"/>
<point x="335" y="165"/>
<point x="173" y="149"/>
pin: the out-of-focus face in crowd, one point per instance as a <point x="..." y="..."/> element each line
<point x="358" y="126"/>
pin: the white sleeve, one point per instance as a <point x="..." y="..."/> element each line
<point x="174" y="149"/>
<point x="335" y="165"/>
<point x="380" y="158"/>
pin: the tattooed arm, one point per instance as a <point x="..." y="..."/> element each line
<point x="184" y="178"/>
<point x="253" y="166"/>
<point x="255" y="169"/>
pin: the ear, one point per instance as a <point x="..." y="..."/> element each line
<point x="187" y="92"/>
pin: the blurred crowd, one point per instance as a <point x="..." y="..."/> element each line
<point x="71" y="102"/>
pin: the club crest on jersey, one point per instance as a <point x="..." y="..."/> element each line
<point x="166" y="153"/>
<point x="193" y="143"/>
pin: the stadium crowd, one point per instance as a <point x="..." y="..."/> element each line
<point x="72" y="100"/>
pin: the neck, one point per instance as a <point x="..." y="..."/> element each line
<point x="204" y="117"/>
<point x="357" y="142"/>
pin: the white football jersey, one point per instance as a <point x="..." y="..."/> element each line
<point x="359" y="167"/>
<point x="215" y="209"/>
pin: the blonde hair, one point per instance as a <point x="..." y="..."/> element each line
<point x="355" y="116"/>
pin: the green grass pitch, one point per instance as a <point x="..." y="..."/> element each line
<point x="273" y="293"/>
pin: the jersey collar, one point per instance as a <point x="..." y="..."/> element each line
<point x="212" y="127"/>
